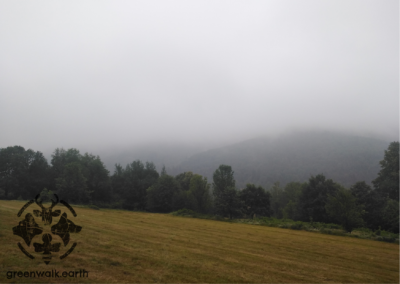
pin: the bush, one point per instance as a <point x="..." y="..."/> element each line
<point x="46" y="195"/>
<point x="111" y="205"/>
<point x="386" y="239"/>
<point x="296" y="226"/>
<point x="93" y="207"/>
<point x="185" y="212"/>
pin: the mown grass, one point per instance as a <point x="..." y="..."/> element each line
<point x="323" y="228"/>
<point x="122" y="246"/>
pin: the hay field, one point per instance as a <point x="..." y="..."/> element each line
<point x="122" y="246"/>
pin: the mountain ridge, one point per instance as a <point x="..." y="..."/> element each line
<point x="345" y="158"/>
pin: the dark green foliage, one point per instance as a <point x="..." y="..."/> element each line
<point x="83" y="176"/>
<point x="199" y="194"/>
<point x="184" y="180"/>
<point x="71" y="184"/>
<point x="284" y="201"/>
<point x="38" y="173"/>
<point x="226" y="199"/>
<point x="256" y="202"/>
<point x="277" y="200"/>
<point x="360" y="191"/>
<point x="23" y="173"/>
<point x="314" y="197"/>
<point x="223" y="178"/>
<point x="163" y="196"/>
<point x="372" y="202"/>
<point x="61" y="158"/>
<point x="118" y="180"/>
<point x="97" y="177"/>
<point x="194" y="194"/>
<point x="296" y="226"/>
<point x="290" y="211"/>
<point x="390" y="216"/>
<point x="374" y="205"/>
<point x="130" y="184"/>
<point x="227" y="203"/>
<point x="46" y="195"/>
<point x="93" y="207"/>
<point x="343" y="209"/>
<point x="387" y="182"/>
<point x="185" y="213"/>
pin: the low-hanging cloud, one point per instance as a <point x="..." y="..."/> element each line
<point x="104" y="73"/>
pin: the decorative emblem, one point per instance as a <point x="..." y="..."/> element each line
<point x="28" y="229"/>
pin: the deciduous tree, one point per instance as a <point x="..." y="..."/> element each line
<point x="255" y="201"/>
<point x="387" y="182"/>
<point x="314" y="197"/>
<point x="344" y="210"/>
<point x="226" y="200"/>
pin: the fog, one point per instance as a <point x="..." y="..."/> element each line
<point x="115" y="74"/>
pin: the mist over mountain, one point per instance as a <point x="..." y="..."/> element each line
<point x="168" y="155"/>
<point x="294" y="156"/>
<point x="291" y="157"/>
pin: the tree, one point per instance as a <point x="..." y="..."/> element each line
<point x="277" y="200"/>
<point x="39" y="171"/>
<point x="59" y="159"/>
<point x="184" y="180"/>
<point x="130" y="184"/>
<point x="160" y="196"/>
<point x="255" y="201"/>
<point x="390" y="214"/>
<point x="97" y="177"/>
<point x="292" y="194"/>
<point x="374" y="206"/>
<point x="23" y="173"/>
<point x="13" y="171"/>
<point x="223" y="178"/>
<point x="163" y="171"/>
<point x="344" y="210"/>
<point x="284" y="201"/>
<point x="314" y="197"/>
<point x="118" y="180"/>
<point x="387" y="182"/>
<point x="71" y="185"/>
<point x="199" y="194"/>
<point x="372" y="202"/>
<point x="225" y="195"/>
<point x="360" y="191"/>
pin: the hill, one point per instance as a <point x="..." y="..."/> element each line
<point x="123" y="246"/>
<point x="294" y="157"/>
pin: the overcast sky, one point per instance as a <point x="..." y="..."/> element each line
<point x="96" y="74"/>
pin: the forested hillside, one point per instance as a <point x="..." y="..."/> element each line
<point x="83" y="179"/>
<point x="294" y="157"/>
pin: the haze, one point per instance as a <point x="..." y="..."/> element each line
<point x="114" y="74"/>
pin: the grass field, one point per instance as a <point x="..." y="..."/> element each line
<point x="123" y="246"/>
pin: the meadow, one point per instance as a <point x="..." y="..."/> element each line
<point x="124" y="246"/>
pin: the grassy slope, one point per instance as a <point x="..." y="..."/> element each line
<point x="122" y="246"/>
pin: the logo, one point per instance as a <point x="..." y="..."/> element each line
<point x="54" y="240"/>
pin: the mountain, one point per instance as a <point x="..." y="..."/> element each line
<point x="294" y="157"/>
<point x="160" y="154"/>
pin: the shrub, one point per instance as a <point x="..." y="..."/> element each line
<point x="93" y="207"/>
<point x="386" y="239"/>
<point x="296" y="226"/>
<point x="184" y="212"/>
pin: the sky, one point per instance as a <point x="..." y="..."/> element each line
<point x="97" y="74"/>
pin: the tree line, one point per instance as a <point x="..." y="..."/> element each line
<point x="83" y="179"/>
